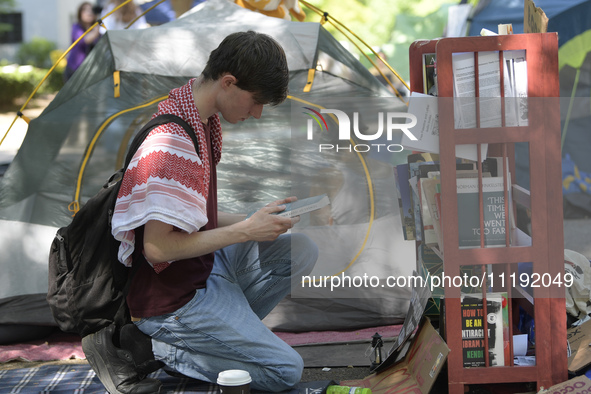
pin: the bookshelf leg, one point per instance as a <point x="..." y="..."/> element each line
<point x="456" y="388"/>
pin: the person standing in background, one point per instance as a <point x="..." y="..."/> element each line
<point x="86" y="18"/>
<point x="121" y="18"/>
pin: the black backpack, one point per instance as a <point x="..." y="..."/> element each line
<point x="87" y="283"/>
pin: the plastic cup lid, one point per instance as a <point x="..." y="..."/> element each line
<point x="233" y="377"/>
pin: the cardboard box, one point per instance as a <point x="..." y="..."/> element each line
<point x="416" y="371"/>
<point x="579" y="339"/>
<point x="578" y="385"/>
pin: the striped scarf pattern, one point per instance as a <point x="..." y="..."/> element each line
<point x="166" y="180"/>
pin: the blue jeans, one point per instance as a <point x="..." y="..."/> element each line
<point x="221" y="328"/>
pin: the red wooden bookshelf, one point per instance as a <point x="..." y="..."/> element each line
<point x="544" y="249"/>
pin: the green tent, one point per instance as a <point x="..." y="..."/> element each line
<point x="81" y="137"/>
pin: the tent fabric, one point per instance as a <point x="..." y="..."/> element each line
<point x="81" y="137"/>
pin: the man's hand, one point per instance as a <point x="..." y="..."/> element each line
<point x="162" y="243"/>
<point x="264" y="226"/>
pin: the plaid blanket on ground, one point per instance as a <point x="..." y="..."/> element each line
<point x="81" y="379"/>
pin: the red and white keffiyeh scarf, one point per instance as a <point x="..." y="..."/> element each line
<point x="166" y="180"/>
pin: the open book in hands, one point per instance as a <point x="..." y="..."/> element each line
<point x="300" y="207"/>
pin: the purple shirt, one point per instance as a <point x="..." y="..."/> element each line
<point x="79" y="52"/>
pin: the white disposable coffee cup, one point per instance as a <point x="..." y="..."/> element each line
<point x="234" y="381"/>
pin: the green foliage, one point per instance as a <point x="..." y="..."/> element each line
<point x="372" y="20"/>
<point x="54" y="82"/>
<point x="6" y="5"/>
<point x="36" y="58"/>
<point x="388" y="25"/>
<point x="15" y="85"/>
<point x="5" y="27"/>
<point x="36" y="53"/>
<point x="20" y="81"/>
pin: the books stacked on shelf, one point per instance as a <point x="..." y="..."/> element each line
<point x="415" y="160"/>
<point x="484" y="100"/>
<point x="514" y="90"/>
<point x="428" y="188"/>
<point x="473" y="329"/>
<point x="404" y="202"/>
<point x="419" y="186"/>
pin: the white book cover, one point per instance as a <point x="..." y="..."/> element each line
<point x="425" y="108"/>
<point x="300" y="207"/>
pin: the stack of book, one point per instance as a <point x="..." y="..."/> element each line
<point x="419" y="186"/>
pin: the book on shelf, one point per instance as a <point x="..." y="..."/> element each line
<point x="429" y="179"/>
<point x="489" y="89"/>
<point x="430" y="74"/>
<point x="473" y="329"/>
<point x="430" y="189"/>
<point x="515" y="77"/>
<point x="430" y="218"/>
<point x="425" y="108"/>
<point x="424" y="195"/>
<point x="427" y="168"/>
<point x="495" y="220"/>
<point x="432" y="192"/>
<point x="403" y="189"/>
<point x="414" y="161"/>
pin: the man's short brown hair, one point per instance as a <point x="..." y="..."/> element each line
<point x="256" y="60"/>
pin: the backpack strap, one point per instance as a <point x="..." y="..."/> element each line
<point x="155" y="122"/>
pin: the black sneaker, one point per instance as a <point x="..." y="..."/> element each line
<point x="140" y="347"/>
<point x="114" y="366"/>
